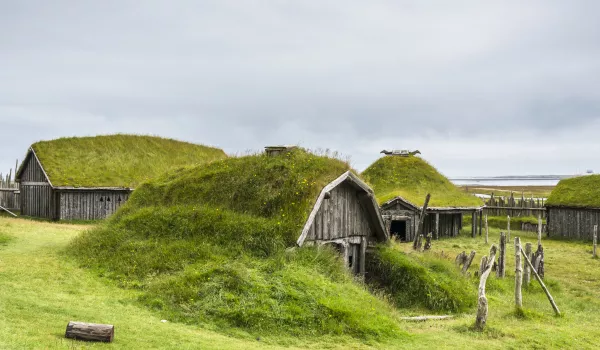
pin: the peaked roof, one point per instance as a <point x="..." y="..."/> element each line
<point x="581" y="192"/>
<point x="114" y="161"/>
<point x="411" y="178"/>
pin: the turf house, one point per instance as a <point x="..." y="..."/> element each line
<point x="573" y="207"/>
<point x="402" y="181"/>
<point x="89" y="178"/>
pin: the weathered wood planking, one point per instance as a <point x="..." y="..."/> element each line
<point x="514" y="207"/>
<point x="90" y="205"/>
<point x="575" y="223"/>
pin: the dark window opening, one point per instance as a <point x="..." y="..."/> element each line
<point x="350" y="261"/>
<point x="108" y="199"/>
<point x="119" y="199"/>
<point x="398" y="230"/>
<point x="101" y="199"/>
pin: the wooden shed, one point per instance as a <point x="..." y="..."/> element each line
<point x="346" y="215"/>
<point x="89" y="178"/>
<point x="573" y="208"/>
<point x="402" y="180"/>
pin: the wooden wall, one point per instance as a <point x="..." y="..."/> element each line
<point x="449" y="225"/>
<point x="9" y="198"/>
<point x="90" y="205"/>
<point x="37" y="196"/>
<point x="572" y="222"/>
<point x="340" y="216"/>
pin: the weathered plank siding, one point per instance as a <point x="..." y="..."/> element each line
<point x="577" y="223"/>
<point x="90" y="205"/>
<point x="9" y="198"/>
<point x="340" y="216"/>
<point x="36" y="191"/>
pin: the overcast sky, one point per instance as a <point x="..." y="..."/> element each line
<point x="480" y="87"/>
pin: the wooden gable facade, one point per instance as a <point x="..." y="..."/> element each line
<point x="401" y="218"/>
<point x="39" y="198"/>
<point x="346" y="216"/>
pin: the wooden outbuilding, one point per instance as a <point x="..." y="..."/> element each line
<point x="402" y="180"/>
<point x="573" y="208"/>
<point x="89" y="178"/>
<point x="346" y="215"/>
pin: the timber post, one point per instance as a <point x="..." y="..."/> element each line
<point x="421" y="221"/>
<point x="527" y="269"/>
<point x="594" y="255"/>
<point x="508" y="228"/>
<point x="518" y="274"/>
<point x="437" y="226"/>
<point x="542" y="285"/>
<point x="468" y="262"/>
<point x="482" y="304"/>
<point x="486" y="229"/>
<point x="539" y="231"/>
<point x="502" y="256"/>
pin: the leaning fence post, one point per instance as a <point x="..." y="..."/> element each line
<point x="542" y="285"/>
<point x="518" y="274"/>
<point x="594" y="255"/>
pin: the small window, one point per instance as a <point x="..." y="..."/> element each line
<point x="108" y="199"/>
<point x="119" y="199"/>
<point x="350" y="261"/>
<point x="101" y="199"/>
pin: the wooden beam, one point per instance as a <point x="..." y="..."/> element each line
<point x="421" y="221"/>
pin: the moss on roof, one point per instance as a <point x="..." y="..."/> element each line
<point x="207" y="245"/>
<point x="116" y="160"/>
<point x="412" y="178"/>
<point x="582" y="191"/>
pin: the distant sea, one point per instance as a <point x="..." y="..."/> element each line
<point x="530" y="180"/>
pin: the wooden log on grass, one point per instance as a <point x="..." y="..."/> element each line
<point x="482" y="304"/>
<point x="518" y="274"/>
<point x="90" y="331"/>
<point x="421" y="221"/>
<point x="527" y="270"/>
<point x="554" y="306"/>
<point x="468" y="262"/>
<point x="501" y="256"/>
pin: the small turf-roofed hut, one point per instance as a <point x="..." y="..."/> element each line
<point x="573" y="207"/>
<point x="89" y="178"/>
<point x="401" y="183"/>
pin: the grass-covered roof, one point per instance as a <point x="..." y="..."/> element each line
<point x="582" y="191"/>
<point x="116" y="160"/>
<point x="208" y="245"/>
<point x="412" y="178"/>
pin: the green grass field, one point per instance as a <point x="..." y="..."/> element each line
<point x="41" y="289"/>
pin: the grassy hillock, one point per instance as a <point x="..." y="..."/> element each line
<point x="207" y="245"/>
<point x="425" y="280"/>
<point x="116" y="160"/>
<point x="582" y="191"/>
<point x="412" y="178"/>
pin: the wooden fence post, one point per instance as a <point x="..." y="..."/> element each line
<point x="482" y="304"/>
<point x="501" y="256"/>
<point x="539" y="232"/>
<point x="542" y="285"/>
<point x="486" y="230"/>
<point x="437" y="226"/>
<point x="474" y="224"/>
<point x="594" y="255"/>
<point x="468" y="262"/>
<point x="527" y="270"/>
<point x="421" y="221"/>
<point x="508" y="228"/>
<point x="539" y="261"/>
<point x="518" y="274"/>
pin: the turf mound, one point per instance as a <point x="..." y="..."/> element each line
<point x="412" y="178"/>
<point x="208" y="245"/>
<point x="420" y="280"/>
<point x="582" y="191"/>
<point x="116" y="160"/>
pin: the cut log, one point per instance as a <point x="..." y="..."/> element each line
<point x="468" y="262"/>
<point x="90" y="331"/>
<point x="554" y="306"/>
<point x="518" y="274"/>
<point x="482" y="304"/>
<point x="421" y="221"/>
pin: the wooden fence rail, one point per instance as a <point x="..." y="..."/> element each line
<point x="514" y="207"/>
<point x="10" y="194"/>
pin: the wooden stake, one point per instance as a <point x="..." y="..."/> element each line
<point x="542" y="285"/>
<point x="594" y="255"/>
<point x="539" y="261"/>
<point x="483" y="265"/>
<point x="508" y="228"/>
<point x="502" y="256"/>
<point x="468" y="262"/>
<point x="527" y="270"/>
<point x="482" y="304"/>
<point x="518" y="274"/>
<point x="421" y="220"/>
<point x="539" y="232"/>
<point x="486" y="230"/>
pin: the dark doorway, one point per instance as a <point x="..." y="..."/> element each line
<point x="398" y="230"/>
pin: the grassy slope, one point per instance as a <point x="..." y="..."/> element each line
<point x="582" y="191"/>
<point x="207" y="245"/>
<point x="412" y="178"/>
<point x="116" y="160"/>
<point x="40" y="291"/>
